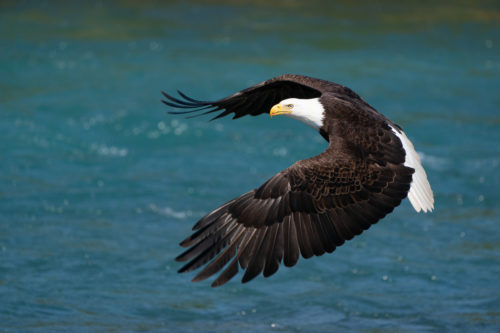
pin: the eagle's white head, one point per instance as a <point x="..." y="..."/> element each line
<point x="309" y="111"/>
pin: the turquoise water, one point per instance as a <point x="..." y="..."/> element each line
<point x="98" y="184"/>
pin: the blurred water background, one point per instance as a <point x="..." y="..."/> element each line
<point x="98" y="184"/>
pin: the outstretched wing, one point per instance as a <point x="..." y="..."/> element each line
<point x="309" y="209"/>
<point x="253" y="101"/>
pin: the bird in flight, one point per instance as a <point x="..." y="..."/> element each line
<point x="316" y="204"/>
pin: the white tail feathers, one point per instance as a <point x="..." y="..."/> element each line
<point x="420" y="195"/>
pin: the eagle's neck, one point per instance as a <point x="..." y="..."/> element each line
<point x="311" y="112"/>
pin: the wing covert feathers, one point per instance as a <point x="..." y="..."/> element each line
<point x="306" y="210"/>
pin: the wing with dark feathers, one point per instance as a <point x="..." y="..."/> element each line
<point x="308" y="209"/>
<point x="251" y="101"/>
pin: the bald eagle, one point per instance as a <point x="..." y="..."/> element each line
<point x="316" y="204"/>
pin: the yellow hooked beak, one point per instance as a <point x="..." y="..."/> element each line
<point x="279" y="109"/>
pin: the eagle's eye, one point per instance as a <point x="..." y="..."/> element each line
<point x="290" y="106"/>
